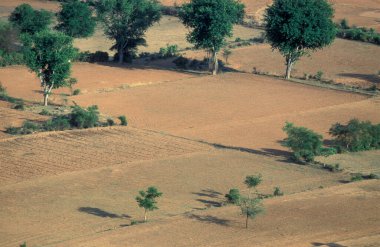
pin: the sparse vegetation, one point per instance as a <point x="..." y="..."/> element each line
<point x="147" y="200"/>
<point x="84" y="118"/>
<point x="168" y="51"/>
<point x="76" y="92"/>
<point x="110" y="122"/>
<point x="277" y="192"/>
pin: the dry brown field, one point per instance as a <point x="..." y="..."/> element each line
<point x="194" y="136"/>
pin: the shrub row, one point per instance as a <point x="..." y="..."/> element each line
<point x="11" y="58"/>
<point x="96" y="57"/>
<point x="79" y="118"/>
<point x="357" y="33"/>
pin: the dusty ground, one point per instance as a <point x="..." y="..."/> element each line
<point x="194" y="137"/>
<point x="348" y="62"/>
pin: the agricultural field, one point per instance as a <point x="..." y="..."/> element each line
<point x="194" y="136"/>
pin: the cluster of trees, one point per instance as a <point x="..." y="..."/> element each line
<point x="351" y="137"/>
<point x="294" y="27"/>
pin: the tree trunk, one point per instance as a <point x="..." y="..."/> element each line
<point x="246" y="221"/>
<point x="121" y="55"/>
<point x="289" y="65"/>
<point x="216" y="64"/>
<point x="46" y="96"/>
<point x="145" y="217"/>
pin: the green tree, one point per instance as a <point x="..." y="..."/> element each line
<point x="253" y="181"/>
<point x="49" y="55"/>
<point x="126" y="21"/>
<point x="8" y="37"/>
<point x="295" y="27"/>
<point x="211" y="23"/>
<point x="250" y="208"/>
<point x="147" y="200"/>
<point x="75" y="19"/>
<point x="29" y="20"/>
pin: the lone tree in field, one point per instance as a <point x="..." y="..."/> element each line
<point x="211" y="23"/>
<point x="252" y="182"/>
<point x="250" y="208"/>
<point x="295" y="27"/>
<point x="147" y="200"/>
<point x="126" y="21"/>
<point x="29" y="20"/>
<point x="75" y="19"/>
<point x="49" y="55"/>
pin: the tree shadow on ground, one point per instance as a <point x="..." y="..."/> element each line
<point x="209" y="219"/>
<point x="328" y="244"/>
<point x="283" y="156"/>
<point x="209" y="193"/>
<point x="101" y="213"/>
<point x="365" y="77"/>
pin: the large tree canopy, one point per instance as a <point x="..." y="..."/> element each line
<point x="75" y="19"/>
<point x="126" y="21"/>
<point x="29" y="20"/>
<point x="211" y="23"/>
<point x="296" y="26"/>
<point x="49" y="55"/>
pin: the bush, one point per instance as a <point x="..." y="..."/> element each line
<point x="181" y="62"/>
<point x="45" y="112"/>
<point x="333" y="168"/>
<point x="305" y="143"/>
<point x="13" y="58"/>
<point x="277" y="192"/>
<point x="356" y="136"/>
<point x="26" y="128"/>
<point x="233" y="196"/>
<point x="57" y="124"/>
<point x="83" y="56"/>
<point x="357" y="177"/>
<point x="110" y="122"/>
<point x="123" y="120"/>
<point x="19" y="106"/>
<point x="82" y="118"/>
<point x="168" y="51"/>
<point x="99" y="57"/>
<point x="76" y="92"/>
<point x="357" y="33"/>
<point x="318" y="76"/>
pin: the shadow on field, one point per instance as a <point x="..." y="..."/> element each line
<point x="284" y="156"/>
<point x="328" y="244"/>
<point x="209" y="194"/>
<point x="101" y="213"/>
<point x="365" y="77"/>
<point x="209" y="219"/>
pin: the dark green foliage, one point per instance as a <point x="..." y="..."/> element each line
<point x="277" y="192"/>
<point x="147" y="199"/>
<point x="23" y="245"/>
<point x="84" y="118"/>
<point x="357" y="33"/>
<point x="57" y="123"/>
<point x="356" y="136"/>
<point x="181" y="62"/>
<point x="170" y="10"/>
<point x="357" y="177"/>
<point x="29" y="127"/>
<point x="99" y="57"/>
<point x="126" y="21"/>
<point x="168" y="51"/>
<point x="76" y="92"/>
<point x="19" y="106"/>
<point x="253" y="181"/>
<point x="318" y="76"/>
<point x="233" y="196"/>
<point x="211" y="22"/>
<point x="110" y="122"/>
<point x="49" y="55"/>
<point x="12" y="58"/>
<point x="296" y="26"/>
<point x="123" y="120"/>
<point x="29" y="20"/>
<point x="75" y="19"/>
<point x="305" y="143"/>
<point x="8" y="38"/>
